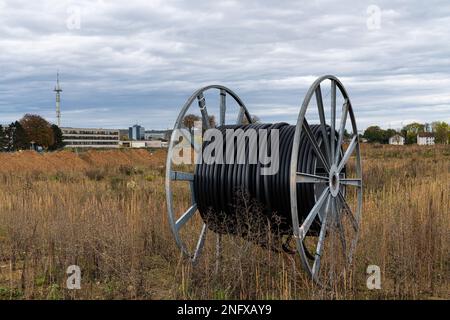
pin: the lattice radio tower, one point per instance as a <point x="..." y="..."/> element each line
<point x="58" y="91"/>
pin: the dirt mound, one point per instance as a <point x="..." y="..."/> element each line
<point x="30" y="161"/>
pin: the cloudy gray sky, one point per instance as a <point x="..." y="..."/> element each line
<point x="138" y="61"/>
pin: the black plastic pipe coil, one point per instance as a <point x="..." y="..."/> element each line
<point x="227" y="193"/>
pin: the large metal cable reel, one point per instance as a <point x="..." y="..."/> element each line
<point x="318" y="189"/>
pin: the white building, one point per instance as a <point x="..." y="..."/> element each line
<point x="425" y="138"/>
<point x="90" y="138"/>
<point x="397" y="140"/>
<point x="144" y="144"/>
<point x="155" y="135"/>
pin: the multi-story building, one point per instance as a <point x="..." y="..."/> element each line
<point x="90" y="138"/>
<point x="156" y="135"/>
<point x="124" y="134"/>
<point x="136" y="132"/>
<point x="144" y="144"/>
<point x="425" y="138"/>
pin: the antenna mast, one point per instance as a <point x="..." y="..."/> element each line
<point x="58" y="91"/>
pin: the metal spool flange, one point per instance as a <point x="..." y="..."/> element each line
<point x="330" y="187"/>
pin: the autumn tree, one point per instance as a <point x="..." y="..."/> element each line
<point x="374" y="134"/>
<point x="411" y="130"/>
<point x="212" y="121"/>
<point x="38" y="130"/>
<point x="190" y="119"/>
<point x="414" y="127"/>
<point x="255" y="119"/>
<point x="442" y="131"/>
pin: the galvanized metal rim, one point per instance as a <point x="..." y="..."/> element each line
<point x="172" y="175"/>
<point x="299" y="231"/>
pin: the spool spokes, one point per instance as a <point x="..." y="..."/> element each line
<point x="338" y="220"/>
<point x="331" y="222"/>
<point x="189" y="217"/>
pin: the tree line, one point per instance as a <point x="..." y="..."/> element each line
<point x="440" y="129"/>
<point x="30" y="132"/>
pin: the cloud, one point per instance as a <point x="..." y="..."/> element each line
<point x="138" y="62"/>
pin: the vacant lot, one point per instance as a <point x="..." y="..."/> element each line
<point x="105" y="212"/>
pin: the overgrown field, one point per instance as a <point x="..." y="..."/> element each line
<point x="105" y="211"/>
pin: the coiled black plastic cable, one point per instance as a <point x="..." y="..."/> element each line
<point x="223" y="192"/>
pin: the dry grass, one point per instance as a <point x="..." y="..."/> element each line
<point x="105" y="211"/>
